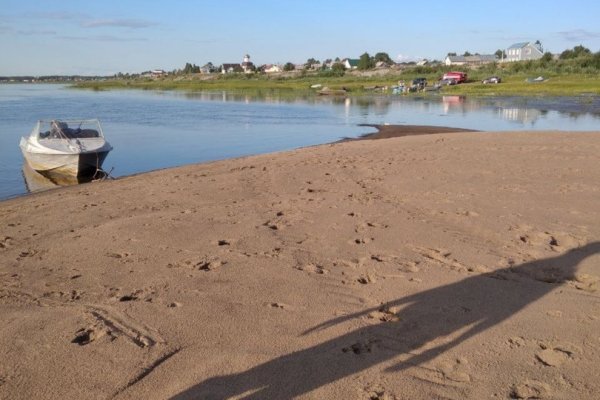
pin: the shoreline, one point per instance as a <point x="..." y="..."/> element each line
<point x="387" y="131"/>
<point x="384" y="131"/>
<point x="455" y="265"/>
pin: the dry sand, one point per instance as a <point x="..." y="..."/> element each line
<point x="443" y="266"/>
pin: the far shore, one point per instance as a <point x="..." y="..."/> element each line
<point x="357" y="84"/>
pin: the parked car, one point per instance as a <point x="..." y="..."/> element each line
<point x="447" y="81"/>
<point x="460" y="77"/>
<point x="492" y="79"/>
<point x="419" y="83"/>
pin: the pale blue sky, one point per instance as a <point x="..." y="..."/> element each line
<point x="42" y="37"/>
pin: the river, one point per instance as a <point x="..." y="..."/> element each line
<point x="159" y="129"/>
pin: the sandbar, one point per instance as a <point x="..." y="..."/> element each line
<point x="455" y="265"/>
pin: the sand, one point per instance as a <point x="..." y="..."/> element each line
<point x="442" y="266"/>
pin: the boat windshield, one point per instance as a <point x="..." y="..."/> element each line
<point x="59" y="129"/>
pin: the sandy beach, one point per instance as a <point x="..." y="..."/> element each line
<point x="455" y="265"/>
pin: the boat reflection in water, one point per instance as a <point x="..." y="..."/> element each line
<point x="37" y="182"/>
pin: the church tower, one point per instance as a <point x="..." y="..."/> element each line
<point x="247" y="65"/>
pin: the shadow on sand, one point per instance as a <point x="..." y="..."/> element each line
<point x="428" y="324"/>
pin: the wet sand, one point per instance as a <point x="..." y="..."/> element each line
<point x="391" y="131"/>
<point x="448" y="265"/>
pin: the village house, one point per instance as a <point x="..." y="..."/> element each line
<point x="350" y="63"/>
<point x="478" y="59"/>
<point x="246" y="66"/>
<point x="207" y="68"/>
<point x="157" y="73"/>
<point x="231" y="68"/>
<point x="524" y="51"/>
<point x="271" y="68"/>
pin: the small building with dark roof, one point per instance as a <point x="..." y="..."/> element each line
<point x="478" y="59"/>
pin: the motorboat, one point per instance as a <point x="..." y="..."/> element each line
<point x="66" y="148"/>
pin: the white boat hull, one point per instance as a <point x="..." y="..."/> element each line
<point x="65" y="164"/>
<point x="61" y="155"/>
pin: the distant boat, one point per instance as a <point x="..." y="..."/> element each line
<point x="66" y="148"/>
<point x="332" y="92"/>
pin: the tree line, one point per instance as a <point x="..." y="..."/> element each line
<point x="579" y="59"/>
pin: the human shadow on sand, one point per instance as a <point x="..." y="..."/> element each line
<point x="428" y="324"/>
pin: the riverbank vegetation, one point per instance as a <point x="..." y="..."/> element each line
<point x="574" y="72"/>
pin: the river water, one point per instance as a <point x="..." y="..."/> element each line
<point x="158" y="129"/>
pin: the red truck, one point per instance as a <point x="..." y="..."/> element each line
<point x="459" y="77"/>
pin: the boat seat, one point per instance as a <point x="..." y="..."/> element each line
<point x="81" y="133"/>
<point x="88" y="133"/>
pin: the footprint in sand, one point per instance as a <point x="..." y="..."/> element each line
<point x="73" y="295"/>
<point x="544" y="240"/>
<point x="366" y="279"/>
<point x="588" y="283"/>
<point x="313" y="269"/>
<point x="410" y="266"/>
<point x="128" y="297"/>
<point x="272" y="225"/>
<point x="377" y="392"/>
<point x="406" y="266"/>
<point x="555" y="356"/>
<point x="531" y="389"/>
<point x="385" y="313"/>
<point x="279" y="306"/>
<point x="86" y="336"/>
<point x="516" y="342"/>
<point x="210" y="264"/>
<point x="361" y="347"/>
<point x="115" y="325"/>
<point x="205" y="263"/>
<point x="443" y="257"/>
<point x="26" y="254"/>
<point x="123" y="257"/>
<point x="5" y="242"/>
<point x="362" y="240"/>
<point x="383" y="258"/>
<point x="456" y="370"/>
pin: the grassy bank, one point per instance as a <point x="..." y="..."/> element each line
<point x="558" y="84"/>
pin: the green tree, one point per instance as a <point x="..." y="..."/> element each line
<point x="383" y="57"/>
<point x="547" y="57"/>
<point x="500" y="54"/>
<point x="289" y="66"/>
<point x="365" y="62"/>
<point x="576" y="52"/>
<point x="310" y="62"/>
<point x="467" y="54"/>
<point x="338" y="68"/>
<point x="451" y="54"/>
<point x="190" y="69"/>
<point x="210" y="67"/>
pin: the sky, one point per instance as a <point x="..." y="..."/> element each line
<point x="87" y="37"/>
